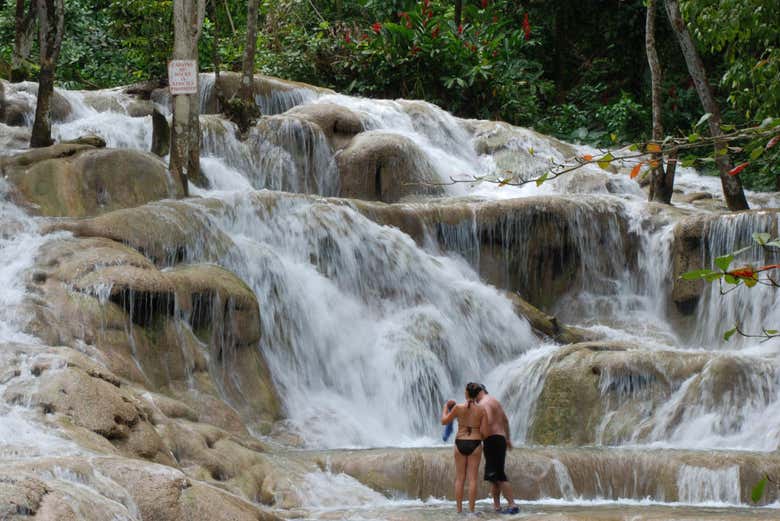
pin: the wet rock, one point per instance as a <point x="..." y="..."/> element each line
<point x="695" y="196"/>
<point x="91" y="140"/>
<point x="548" y="325"/>
<point x="519" y="152"/>
<point x="541" y="247"/>
<point x="15" y="113"/>
<point x="13" y="138"/>
<point x="338" y="123"/>
<point x="60" y="108"/>
<point x="607" y="392"/>
<point x="385" y="167"/>
<point x="274" y="95"/>
<point x="144" y="89"/>
<point x="77" y="180"/>
<point x="20" y="496"/>
<point x="167" y="232"/>
<point x="537" y="473"/>
<point x="161" y="134"/>
<point x="192" y="331"/>
<point x="297" y="156"/>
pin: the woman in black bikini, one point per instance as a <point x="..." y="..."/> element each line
<point x="468" y="442"/>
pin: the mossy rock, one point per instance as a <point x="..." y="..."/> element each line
<point x="80" y="181"/>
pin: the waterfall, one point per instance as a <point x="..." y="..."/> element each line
<point x="702" y="485"/>
<point x="367" y="330"/>
<point x="753" y="309"/>
<point x="364" y="350"/>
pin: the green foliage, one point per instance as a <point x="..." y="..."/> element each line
<point x="758" y="491"/>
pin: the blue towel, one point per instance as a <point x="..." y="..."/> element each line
<point x="448" y="429"/>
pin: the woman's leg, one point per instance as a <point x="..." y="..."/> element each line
<point x="460" y="477"/>
<point x="472" y="474"/>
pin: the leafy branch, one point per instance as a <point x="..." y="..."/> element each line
<point x="647" y="154"/>
<point x="749" y="276"/>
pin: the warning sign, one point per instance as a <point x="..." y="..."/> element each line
<point x="183" y="76"/>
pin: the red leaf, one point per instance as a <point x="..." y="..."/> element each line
<point x="772" y="142"/>
<point x="745" y="273"/>
<point x="737" y="169"/>
<point x="587" y="157"/>
<point x="635" y="170"/>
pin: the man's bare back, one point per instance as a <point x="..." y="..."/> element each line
<point x="497" y="422"/>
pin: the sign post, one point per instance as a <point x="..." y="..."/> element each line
<point x="183" y="77"/>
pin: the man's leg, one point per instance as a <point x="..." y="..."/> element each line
<point x="506" y="489"/>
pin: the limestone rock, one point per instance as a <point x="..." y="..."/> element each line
<point x="686" y="256"/>
<point x="534" y="472"/>
<point x="586" y="383"/>
<point x="80" y="182"/>
<point x="167" y="232"/>
<point x="536" y="246"/>
<point x="385" y="167"/>
<point x="176" y="330"/>
<point x="338" y="123"/>
<point x="548" y="325"/>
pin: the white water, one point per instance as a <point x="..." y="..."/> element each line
<point x="703" y="485"/>
<point x="622" y="295"/>
<point x="367" y="334"/>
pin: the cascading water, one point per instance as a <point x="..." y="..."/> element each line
<point x="366" y="333"/>
<point x="363" y="350"/>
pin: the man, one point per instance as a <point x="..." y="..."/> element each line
<point x="495" y="444"/>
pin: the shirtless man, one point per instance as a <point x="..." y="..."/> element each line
<point x="495" y="444"/>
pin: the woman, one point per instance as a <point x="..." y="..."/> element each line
<point x="468" y="442"/>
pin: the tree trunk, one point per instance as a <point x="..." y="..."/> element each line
<point x="212" y="12"/>
<point x="247" y="91"/>
<point x="458" y="12"/>
<point x="23" y="39"/>
<point x="662" y="181"/>
<point x="51" y="22"/>
<point x="732" y="185"/>
<point x="185" y="136"/>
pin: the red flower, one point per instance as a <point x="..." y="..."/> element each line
<point x="426" y="3"/>
<point x="484" y="4"/>
<point x="376" y="27"/>
<point x="347" y="37"/>
<point x="526" y="27"/>
<point x="435" y="32"/>
<point x="460" y="29"/>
